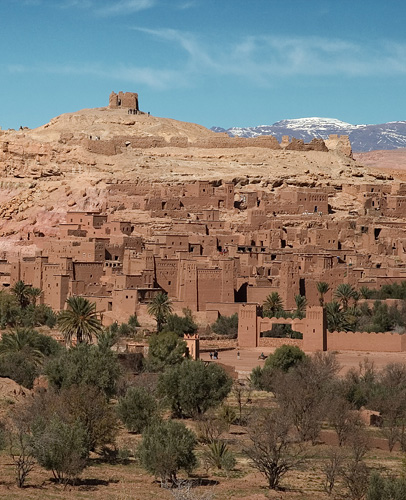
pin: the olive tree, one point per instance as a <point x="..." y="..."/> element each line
<point x="166" y="448"/>
<point x="137" y="409"/>
<point x="193" y="387"/>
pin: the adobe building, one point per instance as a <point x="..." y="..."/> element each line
<point x="123" y="100"/>
<point x="216" y="249"/>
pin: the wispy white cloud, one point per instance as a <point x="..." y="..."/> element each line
<point x="156" y="78"/>
<point x="198" y="54"/>
<point x="101" y="8"/>
<point x="315" y="56"/>
<point x="263" y="60"/>
<point x="187" y="5"/>
<point x="123" y="7"/>
<point x="78" y="4"/>
<point x="264" y="57"/>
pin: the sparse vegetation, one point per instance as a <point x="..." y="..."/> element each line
<point x="226" y="326"/>
<point x="137" y="409"/>
<point x="166" y="448"/>
<point x="192" y="387"/>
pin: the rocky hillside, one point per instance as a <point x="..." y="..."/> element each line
<point x="69" y="162"/>
<point x="363" y="138"/>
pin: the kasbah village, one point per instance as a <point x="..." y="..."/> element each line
<point x="119" y="206"/>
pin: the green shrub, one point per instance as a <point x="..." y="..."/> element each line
<point x="137" y="409"/>
<point x="282" y="331"/>
<point x="390" y="488"/>
<point x="218" y="455"/>
<point x="85" y="365"/>
<point x="166" y="448"/>
<point x="180" y="325"/>
<point x="226" y="326"/>
<point x="165" y="349"/>
<point x="61" y="447"/>
<point x="17" y="367"/>
<point x="285" y="357"/>
<point x="193" y="387"/>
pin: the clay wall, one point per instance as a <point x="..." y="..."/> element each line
<point x="125" y="304"/>
<point x="89" y="272"/>
<point x="211" y="215"/>
<point x="247" y="325"/>
<point x="216" y="309"/>
<point x="100" y="147"/>
<point x="256" y="217"/>
<point x="224" y="141"/>
<point x="356" y="189"/>
<point x="190" y="227"/>
<point x="112" y="228"/>
<point x="341" y="144"/>
<point x="166" y="272"/>
<point x="115" y="146"/>
<point x="55" y="287"/>
<point x="327" y="239"/>
<point x="114" y="252"/>
<point x="206" y="291"/>
<point x="299" y="145"/>
<point x="88" y="251"/>
<point x="187" y="284"/>
<point x="363" y="341"/>
<point x="86" y="219"/>
<point x="27" y="270"/>
<point x="200" y="189"/>
<point x="395" y="206"/>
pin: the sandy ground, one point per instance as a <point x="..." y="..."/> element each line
<point x="249" y="358"/>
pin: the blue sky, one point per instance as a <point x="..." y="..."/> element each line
<point x="212" y="62"/>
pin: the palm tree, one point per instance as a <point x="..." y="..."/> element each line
<point x="366" y="293"/>
<point x="106" y="339"/>
<point x="160" y="308"/>
<point x="9" y="309"/>
<point x="352" y="317"/>
<point x="301" y="304"/>
<point x="20" y="290"/>
<point x="272" y="305"/>
<point x="22" y="340"/>
<point x="344" y="293"/>
<point x="33" y="294"/>
<point x="336" y="320"/>
<point x="322" y="288"/>
<point x="80" y="320"/>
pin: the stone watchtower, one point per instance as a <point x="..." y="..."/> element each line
<point x="124" y="100"/>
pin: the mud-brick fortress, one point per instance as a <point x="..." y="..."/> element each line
<point x="220" y="250"/>
<point x="216" y="247"/>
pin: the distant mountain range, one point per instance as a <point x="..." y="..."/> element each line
<point x="391" y="135"/>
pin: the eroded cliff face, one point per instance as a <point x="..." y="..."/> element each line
<point x="67" y="163"/>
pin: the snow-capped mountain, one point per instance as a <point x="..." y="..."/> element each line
<point x="363" y="138"/>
